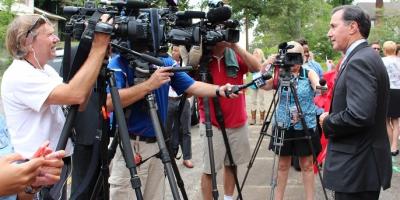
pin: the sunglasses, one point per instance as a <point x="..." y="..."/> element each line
<point x="39" y="21"/>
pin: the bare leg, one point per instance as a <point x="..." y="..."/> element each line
<point x="395" y="134"/>
<point x="206" y="187"/>
<point x="389" y="130"/>
<point x="229" y="180"/>
<point x="283" y="172"/>
<point x="306" y="165"/>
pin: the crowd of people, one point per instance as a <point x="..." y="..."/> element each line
<point x="351" y="124"/>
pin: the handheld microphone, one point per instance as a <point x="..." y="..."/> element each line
<point x="258" y="82"/>
<point x="181" y="69"/>
<point x="322" y="85"/>
<point x="219" y="14"/>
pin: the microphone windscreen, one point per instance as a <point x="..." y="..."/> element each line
<point x="282" y="45"/>
<point x="190" y="14"/>
<point x="322" y="82"/>
<point x="219" y="14"/>
<point x="137" y="4"/>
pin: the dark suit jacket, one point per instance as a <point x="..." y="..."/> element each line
<point x="358" y="155"/>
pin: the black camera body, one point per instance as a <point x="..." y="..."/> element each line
<point x="214" y="26"/>
<point x="134" y="22"/>
<point x="286" y="59"/>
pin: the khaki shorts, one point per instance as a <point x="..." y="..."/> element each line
<point x="238" y="141"/>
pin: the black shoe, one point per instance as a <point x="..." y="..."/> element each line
<point x="395" y="153"/>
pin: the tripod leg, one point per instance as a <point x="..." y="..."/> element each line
<point x="124" y="136"/>
<point x="165" y="157"/>
<point x="308" y="135"/>
<point x="263" y="132"/>
<point x="278" y="138"/>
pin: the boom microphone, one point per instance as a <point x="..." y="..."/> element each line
<point x="182" y="15"/>
<point x="219" y="14"/>
<point x="127" y="3"/>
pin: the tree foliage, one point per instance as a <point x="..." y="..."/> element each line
<point x="388" y="29"/>
<point x="294" y="19"/>
<point x="6" y="16"/>
<point x="335" y="3"/>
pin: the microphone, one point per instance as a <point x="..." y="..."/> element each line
<point x="182" y="15"/>
<point x="322" y="82"/>
<point x="322" y="87"/>
<point x="219" y="14"/>
<point x="181" y="69"/>
<point x="127" y="3"/>
<point x="258" y="82"/>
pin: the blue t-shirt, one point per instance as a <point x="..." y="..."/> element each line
<point x="5" y="148"/>
<point x="139" y="121"/>
<point x="286" y="113"/>
<point x="316" y="67"/>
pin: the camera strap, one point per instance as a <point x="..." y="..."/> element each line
<point x="85" y="45"/>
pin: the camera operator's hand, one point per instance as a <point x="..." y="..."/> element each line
<point x="268" y="63"/>
<point x="251" y="61"/>
<point x="15" y="177"/>
<point x="101" y="40"/>
<point x="226" y="91"/>
<point x="159" y="77"/>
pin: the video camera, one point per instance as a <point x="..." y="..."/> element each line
<point x="134" y="22"/>
<point x="214" y="26"/>
<point x="286" y="59"/>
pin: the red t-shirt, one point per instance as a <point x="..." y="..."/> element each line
<point x="234" y="110"/>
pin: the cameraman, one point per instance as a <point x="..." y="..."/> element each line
<point x="306" y="82"/>
<point x="140" y="126"/>
<point x="32" y="91"/>
<point x="228" y="65"/>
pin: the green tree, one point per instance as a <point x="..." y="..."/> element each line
<point x="388" y="29"/>
<point x="249" y="11"/>
<point x="335" y="3"/>
<point x="6" y="16"/>
<point x="294" y="19"/>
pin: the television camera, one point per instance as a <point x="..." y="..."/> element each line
<point x="214" y="26"/>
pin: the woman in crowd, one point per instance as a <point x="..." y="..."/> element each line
<point x="392" y="63"/>
<point x="257" y="97"/>
<point x="287" y="118"/>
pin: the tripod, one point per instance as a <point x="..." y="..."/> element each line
<point x="278" y="136"/>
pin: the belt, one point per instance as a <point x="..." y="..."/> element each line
<point x="143" y="138"/>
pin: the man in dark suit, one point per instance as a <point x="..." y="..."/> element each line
<point x="358" y="162"/>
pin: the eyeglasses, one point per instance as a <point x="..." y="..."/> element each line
<point x="39" y="21"/>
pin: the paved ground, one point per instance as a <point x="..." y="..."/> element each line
<point x="258" y="183"/>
